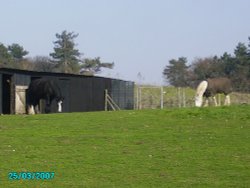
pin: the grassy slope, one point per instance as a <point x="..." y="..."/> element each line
<point x="192" y="147"/>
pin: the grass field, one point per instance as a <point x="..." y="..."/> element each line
<point x="188" y="147"/>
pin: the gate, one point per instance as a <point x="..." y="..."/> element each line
<point x="20" y="99"/>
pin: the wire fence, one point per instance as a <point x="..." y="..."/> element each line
<point x="156" y="97"/>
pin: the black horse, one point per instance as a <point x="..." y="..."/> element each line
<point x="43" y="89"/>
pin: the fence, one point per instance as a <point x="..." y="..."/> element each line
<point x="153" y="97"/>
<point x="145" y="98"/>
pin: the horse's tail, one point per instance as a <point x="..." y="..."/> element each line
<point x="199" y="93"/>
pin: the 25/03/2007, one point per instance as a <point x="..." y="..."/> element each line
<point x="31" y="175"/>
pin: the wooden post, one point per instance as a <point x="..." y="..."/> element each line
<point x="106" y="100"/>
<point x="184" y="97"/>
<point x="179" y="96"/>
<point x="112" y="103"/>
<point x="162" y="97"/>
<point x="109" y="101"/>
<point x="140" y="106"/>
<point x="137" y="97"/>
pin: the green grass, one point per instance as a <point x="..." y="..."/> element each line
<point x="192" y="147"/>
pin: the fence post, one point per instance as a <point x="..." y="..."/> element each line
<point x="106" y="100"/>
<point x="179" y="96"/>
<point x="137" y="97"/>
<point x="162" y="97"/>
<point x="140" y="106"/>
<point x="184" y="97"/>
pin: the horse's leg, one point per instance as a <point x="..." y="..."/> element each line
<point x="31" y="109"/>
<point x="37" y="111"/>
<point x="219" y="102"/>
<point x="215" y="101"/>
<point x="59" y="104"/>
<point x="227" y="100"/>
<point x="47" y="109"/>
<point x="206" y="102"/>
<point x="47" y="104"/>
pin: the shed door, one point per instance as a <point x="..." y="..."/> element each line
<point x="20" y="99"/>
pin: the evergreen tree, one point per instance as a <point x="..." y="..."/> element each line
<point x="5" y="57"/>
<point x="241" y="78"/>
<point x="176" y="73"/>
<point x="228" y="64"/>
<point x="94" y="66"/>
<point x="65" y="55"/>
<point x="17" y="52"/>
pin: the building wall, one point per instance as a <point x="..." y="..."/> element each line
<point x="21" y="79"/>
<point x="1" y="97"/>
<point x="122" y="92"/>
<point x="80" y="93"/>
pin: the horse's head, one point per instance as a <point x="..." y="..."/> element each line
<point x="198" y="101"/>
<point x="201" y="89"/>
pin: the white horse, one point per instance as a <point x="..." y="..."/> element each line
<point x="211" y="87"/>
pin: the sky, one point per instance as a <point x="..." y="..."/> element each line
<point x="139" y="36"/>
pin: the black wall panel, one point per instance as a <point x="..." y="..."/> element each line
<point x="81" y="93"/>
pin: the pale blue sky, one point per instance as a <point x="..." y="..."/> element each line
<point x="138" y="35"/>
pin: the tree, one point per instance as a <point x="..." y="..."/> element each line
<point x="25" y="64"/>
<point x="241" y="76"/>
<point x="176" y="72"/>
<point x="94" y="66"/>
<point x="65" y="55"/>
<point x="17" y="52"/>
<point x="209" y="67"/>
<point x="43" y="64"/>
<point x="228" y="64"/>
<point x="5" y="57"/>
<point x="241" y="52"/>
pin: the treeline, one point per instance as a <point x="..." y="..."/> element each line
<point x="65" y="58"/>
<point x="234" y="66"/>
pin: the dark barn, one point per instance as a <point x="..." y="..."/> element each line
<point x="81" y="93"/>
